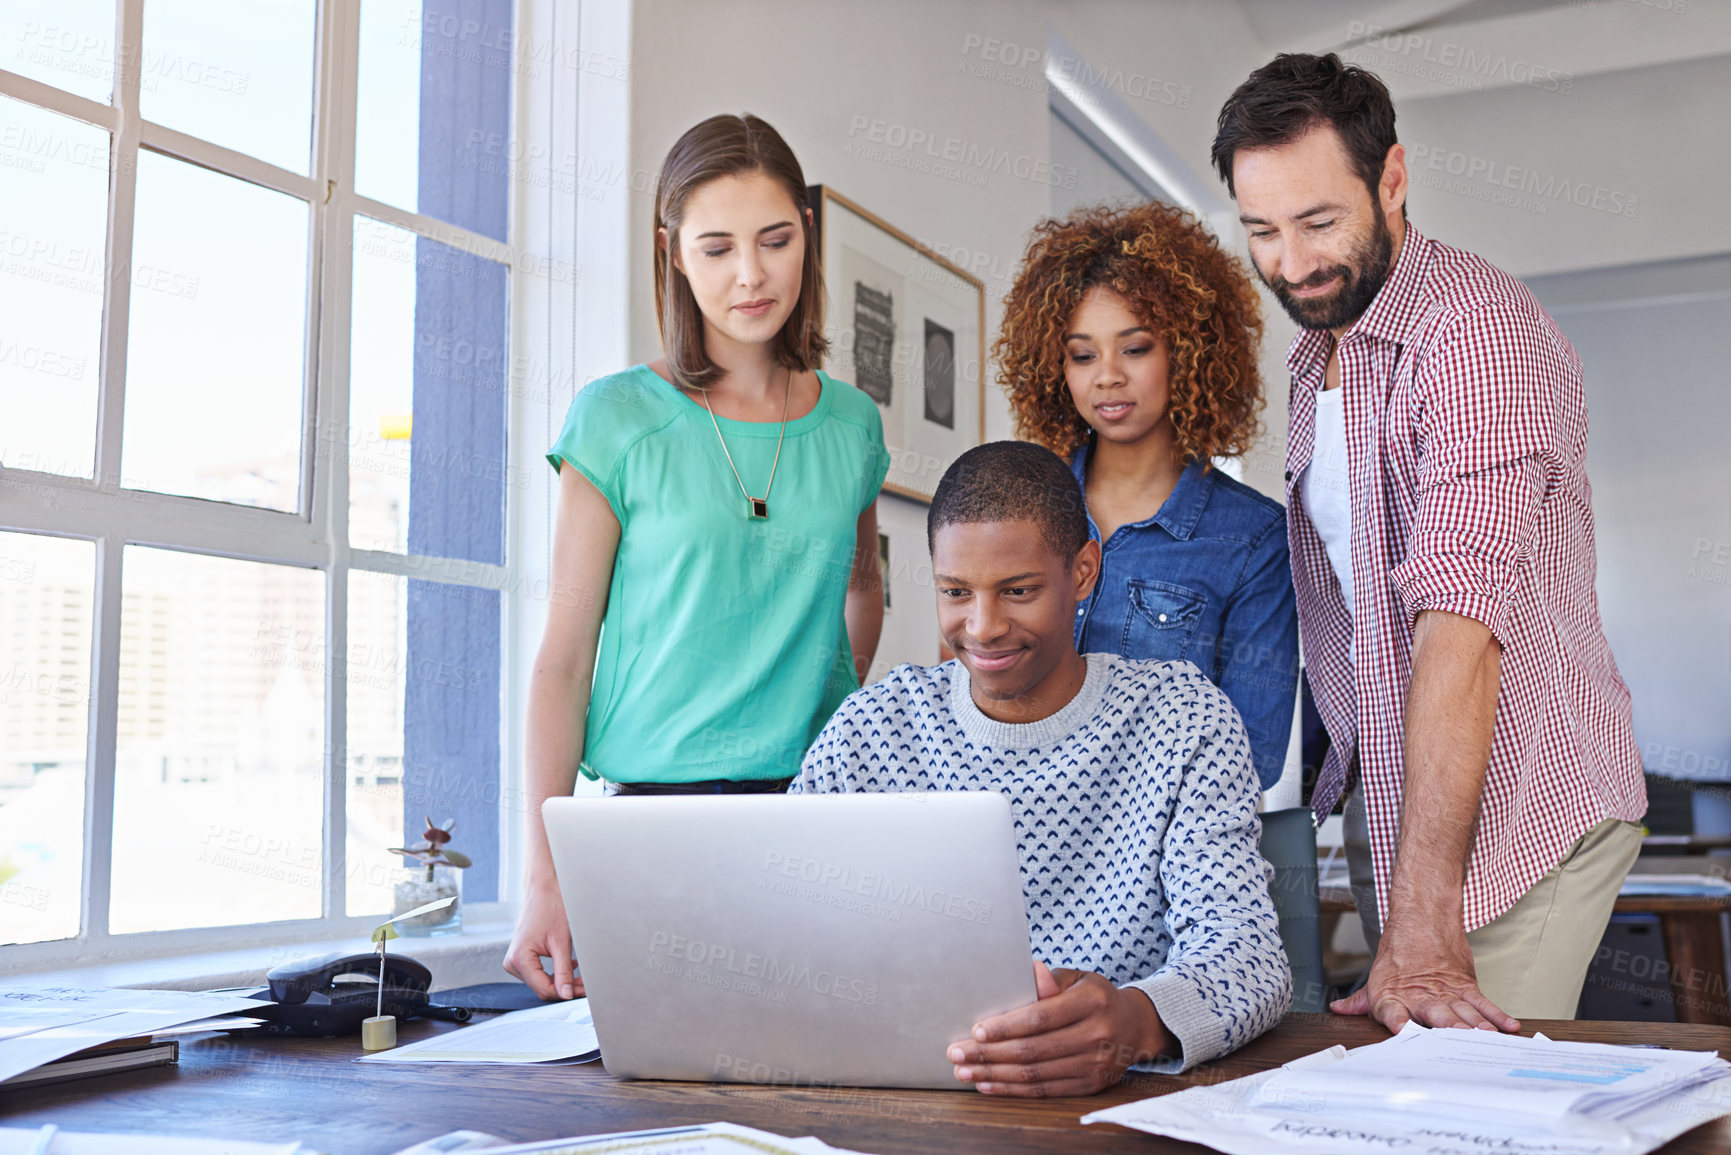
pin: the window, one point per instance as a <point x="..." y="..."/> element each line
<point x="256" y="279"/>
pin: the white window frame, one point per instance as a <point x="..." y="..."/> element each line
<point x="543" y="226"/>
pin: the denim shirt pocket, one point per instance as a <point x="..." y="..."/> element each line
<point x="1161" y="620"/>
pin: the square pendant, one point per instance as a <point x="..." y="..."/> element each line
<point x="759" y="509"/>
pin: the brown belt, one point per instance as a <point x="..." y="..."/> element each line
<point x="712" y="786"/>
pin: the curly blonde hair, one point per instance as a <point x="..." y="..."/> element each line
<point x="1175" y="276"/>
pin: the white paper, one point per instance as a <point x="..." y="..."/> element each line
<point x="538" y="1035"/>
<point x="1245" y="1117"/>
<point x="27" y="1020"/>
<point x="1442" y="1071"/>
<point x="454" y="1141"/>
<point x="22" y="1141"/>
<point x="709" y="1139"/>
<point x="208" y="1026"/>
<point x="106" y="1000"/>
<point x="108" y="1014"/>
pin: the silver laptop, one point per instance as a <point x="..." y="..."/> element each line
<point x="807" y="940"/>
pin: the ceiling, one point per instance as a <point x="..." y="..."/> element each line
<point x="1441" y="48"/>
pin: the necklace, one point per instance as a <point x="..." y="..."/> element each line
<point x="757" y="508"/>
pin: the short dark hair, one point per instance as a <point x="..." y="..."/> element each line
<point x="728" y="145"/>
<point x="1296" y="92"/>
<point x="1012" y="481"/>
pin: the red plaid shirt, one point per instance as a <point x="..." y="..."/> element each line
<point x="1466" y="430"/>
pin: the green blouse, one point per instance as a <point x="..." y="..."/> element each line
<point x="723" y="649"/>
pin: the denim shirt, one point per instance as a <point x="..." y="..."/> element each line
<point x="1205" y="580"/>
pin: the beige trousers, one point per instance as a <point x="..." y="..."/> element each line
<point x="1532" y="959"/>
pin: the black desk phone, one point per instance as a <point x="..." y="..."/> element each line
<point x="331" y="994"/>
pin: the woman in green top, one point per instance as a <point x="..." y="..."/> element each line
<point x="715" y="552"/>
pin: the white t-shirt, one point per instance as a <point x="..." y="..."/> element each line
<point x="1327" y="497"/>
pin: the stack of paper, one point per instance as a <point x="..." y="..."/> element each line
<point x="1453" y="1091"/>
<point x="1686" y="885"/>
<point x="41" y="1024"/>
<point x="29" y="1141"/>
<point x="709" y="1139"/>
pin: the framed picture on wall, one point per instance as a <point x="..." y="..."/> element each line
<point x="908" y="328"/>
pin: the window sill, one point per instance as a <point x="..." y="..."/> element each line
<point x="474" y="956"/>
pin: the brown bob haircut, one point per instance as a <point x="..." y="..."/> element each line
<point x="1297" y="92"/>
<point x="1173" y="275"/>
<point x="728" y="145"/>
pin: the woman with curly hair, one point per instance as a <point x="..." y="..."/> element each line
<point x="1129" y="347"/>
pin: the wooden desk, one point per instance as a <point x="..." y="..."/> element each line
<point x="308" y="1089"/>
<point x="1693" y="946"/>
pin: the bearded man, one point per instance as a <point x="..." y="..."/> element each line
<point x="1442" y="549"/>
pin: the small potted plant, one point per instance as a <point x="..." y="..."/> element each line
<point x="436" y="872"/>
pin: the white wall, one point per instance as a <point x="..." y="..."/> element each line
<point x="1648" y="142"/>
<point x="1661" y="493"/>
<point x="1097" y="178"/>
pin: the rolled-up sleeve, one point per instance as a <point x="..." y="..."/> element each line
<point x="1490" y="389"/>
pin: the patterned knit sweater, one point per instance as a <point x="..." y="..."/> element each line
<point x="1135" y="813"/>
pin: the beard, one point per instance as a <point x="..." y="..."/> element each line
<point x="1360" y="281"/>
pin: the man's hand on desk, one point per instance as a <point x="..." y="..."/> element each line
<point x="543" y="932"/>
<point x="1424" y="972"/>
<point x="1079" y="1038"/>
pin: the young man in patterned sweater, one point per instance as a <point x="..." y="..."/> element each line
<point x="1131" y="784"/>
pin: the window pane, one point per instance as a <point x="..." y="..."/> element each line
<point x="381" y="386"/>
<point x="432" y="132"/>
<point x="53" y="241"/>
<point x="66" y="43"/>
<point x="423" y="677"/>
<point x="451" y="723"/>
<point x="214" y="371"/>
<point x="425" y="444"/>
<point x="46" y="588"/>
<point x="375" y="678"/>
<point x="238" y="73"/>
<point x="217" y="781"/>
